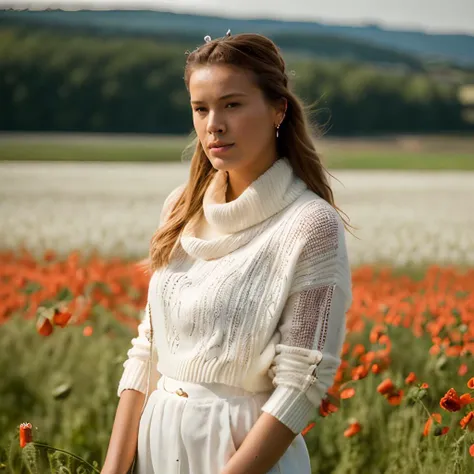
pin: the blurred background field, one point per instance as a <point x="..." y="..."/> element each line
<point x="402" y="152"/>
<point x="94" y="129"/>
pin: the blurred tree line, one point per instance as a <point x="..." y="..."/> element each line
<point x="57" y="82"/>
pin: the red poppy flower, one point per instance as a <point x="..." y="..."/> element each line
<point x="347" y="393"/>
<point x="353" y="429"/>
<point x="376" y="332"/>
<point x="471" y="450"/>
<point x="44" y="326"/>
<point x="468" y="421"/>
<point x="470" y="384"/>
<point x="26" y="435"/>
<point x="308" y="428"/>
<point x="395" y="398"/>
<point x="411" y="378"/>
<point x="61" y="318"/>
<point x="326" y="407"/>
<point x="450" y="402"/>
<point x="358" y="350"/>
<point x="359" y="372"/>
<point x="434" y="416"/>
<point x="386" y="387"/>
<point x="462" y="371"/>
<point x="434" y="350"/>
<point x="466" y="399"/>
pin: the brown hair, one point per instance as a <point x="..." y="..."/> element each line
<point x="259" y="55"/>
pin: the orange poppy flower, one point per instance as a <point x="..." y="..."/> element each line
<point x="395" y="398"/>
<point x="434" y="350"/>
<point x="451" y="401"/>
<point x="468" y="421"/>
<point x="358" y="350"/>
<point x="466" y="399"/>
<point x="353" y="429"/>
<point x="359" y="372"/>
<point x="386" y="387"/>
<point x="87" y="331"/>
<point x="471" y="450"/>
<point x="347" y="393"/>
<point x="376" y="332"/>
<point x="424" y="386"/>
<point x="470" y="384"/>
<point x="44" y="326"/>
<point x="326" y="407"/>
<point x="427" y="428"/>
<point x="61" y="318"/>
<point x="26" y="435"/>
<point x="462" y="371"/>
<point x="308" y="428"/>
<point x="411" y="378"/>
<point x="376" y="369"/>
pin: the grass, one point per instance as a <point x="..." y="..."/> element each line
<point x="65" y="384"/>
<point x="396" y="153"/>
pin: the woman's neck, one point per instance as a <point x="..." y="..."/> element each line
<point x="239" y="180"/>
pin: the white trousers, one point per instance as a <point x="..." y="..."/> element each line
<point x="200" y="433"/>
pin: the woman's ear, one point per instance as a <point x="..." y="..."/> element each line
<point x="281" y="110"/>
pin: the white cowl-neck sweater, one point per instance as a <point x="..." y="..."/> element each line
<point x="255" y="296"/>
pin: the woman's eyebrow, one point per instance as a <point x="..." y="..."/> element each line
<point x="226" y="96"/>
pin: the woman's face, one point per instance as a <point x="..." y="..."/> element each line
<point x="232" y="119"/>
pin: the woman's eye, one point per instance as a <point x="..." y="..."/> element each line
<point x="199" y="109"/>
<point x="233" y="104"/>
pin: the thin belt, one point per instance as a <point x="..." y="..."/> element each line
<point x="204" y="390"/>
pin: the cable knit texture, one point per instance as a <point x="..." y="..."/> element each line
<point x="255" y="296"/>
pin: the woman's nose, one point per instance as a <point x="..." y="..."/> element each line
<point x="215" y="124"/>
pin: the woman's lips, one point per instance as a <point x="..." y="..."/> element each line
<point x="221" y="149"/>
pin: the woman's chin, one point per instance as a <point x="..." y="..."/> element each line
<point x="223" y="164"/>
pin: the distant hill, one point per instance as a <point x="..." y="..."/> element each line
<point x="392" y="46"/>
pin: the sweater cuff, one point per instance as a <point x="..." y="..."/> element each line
<point x="134" y="376"/>
<point x="291" y="406"/>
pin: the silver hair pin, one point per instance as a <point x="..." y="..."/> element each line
<point x="207" y="39"/>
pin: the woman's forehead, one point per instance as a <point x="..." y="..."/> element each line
<point x="219" y="81"/>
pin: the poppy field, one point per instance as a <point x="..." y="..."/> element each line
<point x="402" y="400"/>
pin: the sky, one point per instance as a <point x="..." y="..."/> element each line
<point x="453" y="16"/>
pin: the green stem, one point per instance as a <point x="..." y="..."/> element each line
<point x="460" y="439"/>
<point x="47" y="446"/>
<point x="426" y="409"/>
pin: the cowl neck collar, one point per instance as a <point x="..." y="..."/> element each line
<point x="236" y="222"/>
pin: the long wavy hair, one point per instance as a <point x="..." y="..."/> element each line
<point x="259" y="55"/>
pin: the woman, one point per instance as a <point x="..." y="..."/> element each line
<point x="250" y="283"/>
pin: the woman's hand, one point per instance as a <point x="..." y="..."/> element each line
<point x="262" y="448"/>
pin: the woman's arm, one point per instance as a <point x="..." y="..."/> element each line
<point x="131" y="390"/>
<point x="133" y="384"/>
<point x="312" y="329"/>
<point x="261" y="449"/>
<point x="123" y="441"/>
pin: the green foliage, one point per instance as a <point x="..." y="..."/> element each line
<point x="85" y="371"/>
<point x="64" y="385"/>
<point x="54" y="82"/>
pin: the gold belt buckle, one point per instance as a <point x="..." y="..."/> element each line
<point x="181" y="393"/>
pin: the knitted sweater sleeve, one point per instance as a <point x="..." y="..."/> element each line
<point x="135" y="373"/>
<point x="313" y="322"/>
